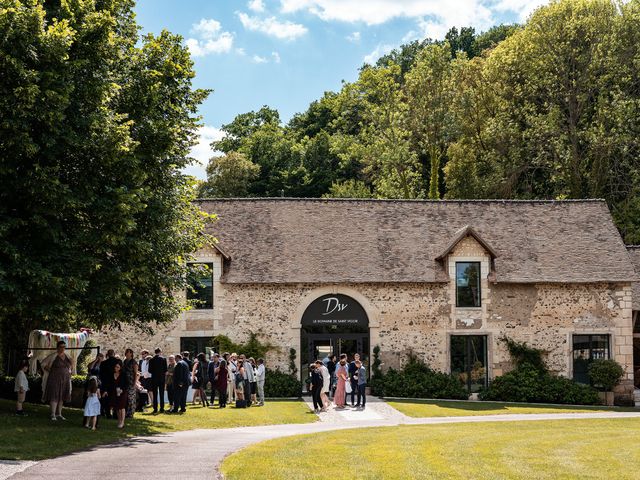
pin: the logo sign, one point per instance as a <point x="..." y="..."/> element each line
<point x="335" y="309"/>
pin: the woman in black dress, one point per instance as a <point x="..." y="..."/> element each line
<point x="200" y="377"/>
<point x="119" y="394"/>
<point x="130" y="369"/>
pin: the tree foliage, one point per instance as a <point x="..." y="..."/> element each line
<point x="546" y="110"/>
<point x="96" y="123"/>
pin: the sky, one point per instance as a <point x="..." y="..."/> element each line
<point x="287" y="53"/>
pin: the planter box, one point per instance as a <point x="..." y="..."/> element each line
<point x="606" y="398"/>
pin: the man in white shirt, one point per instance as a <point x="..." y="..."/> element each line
<point x="260" y="374"/>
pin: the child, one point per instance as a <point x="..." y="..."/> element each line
<point x="361" y="377"/>
<point x="21" y="387"/>
<point x="92" y="407"/>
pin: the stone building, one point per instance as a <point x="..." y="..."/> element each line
<point x="441" y="280"/>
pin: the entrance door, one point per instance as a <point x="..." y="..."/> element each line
<point x="469" y="360"/>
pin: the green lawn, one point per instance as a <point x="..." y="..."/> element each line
<point x="540" y="450"/>
<point x="36" y="437"/>
<point x="448" y="408"/>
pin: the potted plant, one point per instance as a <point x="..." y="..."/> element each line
<point x="605" y="375"/>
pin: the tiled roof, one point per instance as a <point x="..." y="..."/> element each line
<point x="278" y="240"/>
<point x="634" y="253"/>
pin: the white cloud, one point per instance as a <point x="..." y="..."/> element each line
<point x="276" y="57"/>
<point x="354" y="37"/>
<point x="240" y="51"/>
<point x="256" y="5"/>
<point x="211" y="38"/>
<point x="283" y="30"/>
<point x="207" y="28"/>
<point x="375" y="12"/>
<point x="202" y="151"/>
<point x="522" y="7"/>
<point x="259" y="59"/>
<point x="379" y="51"/>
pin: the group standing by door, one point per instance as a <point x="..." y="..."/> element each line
<point x="343" y="379"/>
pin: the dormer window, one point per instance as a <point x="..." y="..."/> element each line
<point x="468" y="284"/>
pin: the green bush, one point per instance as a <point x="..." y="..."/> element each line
<point x="417" y="380"/>
<point x="280" y="384"/>
<point x="528" y="384"/>
<point x="605" y="374"/>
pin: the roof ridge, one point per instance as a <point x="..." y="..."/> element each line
<point x="398" y="200"/>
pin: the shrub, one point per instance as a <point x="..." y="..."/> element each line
<point x="417" y="380"/>
<point x="528" y="384"/>
<point x="532" y="382"/>
<point x="281" y="384"/>
<point x="377" y="378"/>
<point x="605" y="374"/>
<point x="85" y="357"/>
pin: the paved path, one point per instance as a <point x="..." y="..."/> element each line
<point x="197" y="454"/>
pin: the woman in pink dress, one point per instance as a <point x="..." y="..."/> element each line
<point x="342" y="374"/>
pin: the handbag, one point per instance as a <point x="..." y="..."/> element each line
<point x="241" y="404"/>
<point x="347" y="386"/>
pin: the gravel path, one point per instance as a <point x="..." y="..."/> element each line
<point x="197" y="454"/>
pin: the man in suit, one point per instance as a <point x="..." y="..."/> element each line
<point x="181" y="380"/>
<point x="158" y="371"/>
<point x="106" y="380"/>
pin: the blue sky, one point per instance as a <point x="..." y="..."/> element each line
<point x="287" y="53"/>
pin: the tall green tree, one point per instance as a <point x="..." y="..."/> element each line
<point x="429" y="93"/>
<point x="96" y="218"/>
<point x="562" y="116"/>
<point x="229" y="175"/>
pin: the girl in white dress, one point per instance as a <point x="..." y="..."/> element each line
<point x="92" y="407"/>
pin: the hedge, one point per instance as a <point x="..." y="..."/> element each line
<point x="528" y="384"/>
<point x="280" y="384"/>
<point x="417" y="380"/>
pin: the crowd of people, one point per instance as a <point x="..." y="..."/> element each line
<point x="118" y="387"/>
<point x="332" y="380"/>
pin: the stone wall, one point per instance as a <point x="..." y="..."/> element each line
<point x="414" y="317"/>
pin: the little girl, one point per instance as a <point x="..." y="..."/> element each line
<point x="21" y="386"/>
<point x="92" y="407"/>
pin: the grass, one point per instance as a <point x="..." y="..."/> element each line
<point x="36" y="437"/>
<point x="541" y="450"/>
<point x="448" y="408"/>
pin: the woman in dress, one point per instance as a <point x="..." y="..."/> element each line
<point x="119" y="394"/>
<point x="342" y="375"/>
<point x="130" y="368"/>
<point x="221" y="383"/>
<point x="58" y="383"/>
<point x="171" y="366"/>
<point x="200" y="377"/>
<point x="239" y="380"/>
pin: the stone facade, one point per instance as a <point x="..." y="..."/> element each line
<point x="416" y="318"/>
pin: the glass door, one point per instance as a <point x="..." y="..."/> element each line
<point x="469" y="360"/>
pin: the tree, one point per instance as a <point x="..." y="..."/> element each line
<point x="243" y="126"/>
<point x="383" y="145"/>
<point x="228" y="176"/>
<point x="349" y="189"/>
<point x="562" y="118"/>
<point x="429" y="93"/>
<point x="96" y="219"/>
